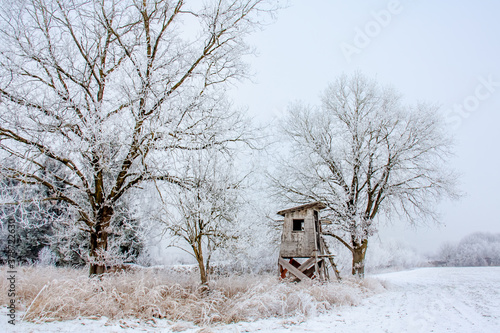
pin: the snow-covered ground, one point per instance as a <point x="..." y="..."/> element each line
<point x="421" y="300"/>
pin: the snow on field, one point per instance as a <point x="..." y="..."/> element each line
<point x="421" y="300"/>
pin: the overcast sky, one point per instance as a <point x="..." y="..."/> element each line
<point x="443" y="52"/>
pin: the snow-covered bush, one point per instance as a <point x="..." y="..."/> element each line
<point x="33" y="219"/>
<point x="477" y="249"/>
<point x="46" y="257"/>
<point x="392" y="254"/>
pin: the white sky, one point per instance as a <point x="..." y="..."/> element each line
<point x="435" y="51"/>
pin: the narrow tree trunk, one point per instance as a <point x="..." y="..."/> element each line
<point x="203" y="272"/>
<point x="198" y="253"/>
<point x="99" y="241"/>
<point x="358" y="258"/>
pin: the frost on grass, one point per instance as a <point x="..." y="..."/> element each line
<point x="49" y="294"/>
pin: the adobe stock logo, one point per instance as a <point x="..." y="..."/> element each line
<point x="484" y="90"/>
<point x="364" y="36"/>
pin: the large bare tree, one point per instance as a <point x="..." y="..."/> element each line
<point x="363" y="152"/>
<point x="111" y="90"/>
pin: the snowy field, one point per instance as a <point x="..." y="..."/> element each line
<point x="421" y="300"/>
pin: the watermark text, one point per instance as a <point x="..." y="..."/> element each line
<point x="364" y="36"/>
<point x="11" y="272"/>
<point x="460" y="111"/>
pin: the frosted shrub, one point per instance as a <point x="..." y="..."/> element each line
<point x="478" y="249"/>
<point x="51" y="293"/>
<point x="46" y="257"/>
<point x="392" y="254"/>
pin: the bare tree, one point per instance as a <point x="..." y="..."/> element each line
<point x="204" y="216"/>
<point x="362" y="153"/>
<point x="112" y="90"/>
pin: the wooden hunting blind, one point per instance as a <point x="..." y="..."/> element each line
<point x="302" y="251"/>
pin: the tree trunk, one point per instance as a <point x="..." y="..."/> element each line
<point x="99" y="241"/>
<point x="198" y="253"/>
<point x="203" y="272"/>
<point x="358" y="258"/>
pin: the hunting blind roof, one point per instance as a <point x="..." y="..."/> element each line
<point x="314" y="205"/>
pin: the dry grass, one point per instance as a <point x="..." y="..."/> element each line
<point x="50" y="293"/>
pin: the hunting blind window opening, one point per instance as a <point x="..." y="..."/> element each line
<point x="298" y="225"/>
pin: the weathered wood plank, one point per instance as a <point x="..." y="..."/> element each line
<point x="306" y="264"/>
<point x="292" y="269"/>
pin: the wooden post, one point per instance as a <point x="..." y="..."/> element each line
<point x="316" y="266"/>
